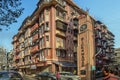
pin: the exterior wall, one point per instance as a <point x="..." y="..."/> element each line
<point x="86" y="48"/>
<point x="116" y="57"/>
<point x="104" y="42"/>
<point x="54" y="34"/>
<point x="3" y="58"/>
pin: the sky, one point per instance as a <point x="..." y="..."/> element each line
<point x="107" y="11"/>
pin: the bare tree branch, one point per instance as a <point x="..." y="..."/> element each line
<point x="10" y="10"/>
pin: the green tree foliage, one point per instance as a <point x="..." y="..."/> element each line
<point x="10" y="10"/>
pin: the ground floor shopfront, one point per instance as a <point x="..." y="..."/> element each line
<point x="48" y="67"/>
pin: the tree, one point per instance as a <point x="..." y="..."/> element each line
<point x="10" y="10"/>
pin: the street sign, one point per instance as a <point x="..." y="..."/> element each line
<point x="93" y="68"/>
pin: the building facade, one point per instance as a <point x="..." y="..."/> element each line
<point x="116" y="57"/>
<point x="95" y="47"/>
<point x="60" y="36"/>
<point x="46" y="39"/>
<point x="3" y="58"/>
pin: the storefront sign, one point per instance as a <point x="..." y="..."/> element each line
<point x="82" y="53"/>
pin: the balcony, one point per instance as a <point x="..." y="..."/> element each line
<point x="98" y="44"/>
<point x="60" y="47"/>
<point x="61" y="25"/>
<point x="104" y="39"/>
<point x="21" y="63"/>
<point x="47" y="44"/>
<point x="17" y="51"/>
<point x="17" y="43"/>
<point x="76" y="23"/>
<point x="46" y="29"/>
<point x="21" y="40"/>
<point x="75" y="49"/>
<point x="34" y="27"/>
<point x="75" y="38"/>
<point x="17" y="57"/>
<point x="34" y="49"/>
<point x="27" y="53"/>
<point x="60" y="33"/>
<point x="35" y="37"/>
<point x="98" y="27"/>
<point x="43" y="2"/>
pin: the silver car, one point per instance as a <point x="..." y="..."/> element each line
<point x="68" y="76"/>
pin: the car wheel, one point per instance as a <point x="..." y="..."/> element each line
<point x="69" y="79"/>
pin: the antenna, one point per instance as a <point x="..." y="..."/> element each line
<point x="87" y="9"/>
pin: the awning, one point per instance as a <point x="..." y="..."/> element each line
<point x="65" y="64"/>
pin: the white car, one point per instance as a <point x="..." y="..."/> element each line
<point x="68" y="76"/>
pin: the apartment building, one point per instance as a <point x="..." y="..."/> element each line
<point x="3" y="58"/>
<point x="116" y="57"/>
<point x="60" y="36"/>
<point x="104" y="40"/>
<point x="46" y="39"/>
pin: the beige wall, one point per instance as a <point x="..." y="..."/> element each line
<point x="86" y="48"/>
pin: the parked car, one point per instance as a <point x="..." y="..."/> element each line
<point x="99" y="74"/>
<point x="68" y="76"/>
<point x="45" y="76"/>
<point x="10" y="75"/>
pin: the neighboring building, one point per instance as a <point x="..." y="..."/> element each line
<point x="117" y="57"/>
<point x="95" y="47"/>
<point x="10" y="57"/>
<point x="3" y="59"/>
<point x="104" y="41"/>
<point x="60" y="36"/>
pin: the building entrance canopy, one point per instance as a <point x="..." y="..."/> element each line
<point x="65" y="64"/>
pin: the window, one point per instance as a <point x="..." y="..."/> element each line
<point x="59" y="13"/>
<point x="47" y="24"/>
<point x="69" y="30"/>
<point x="47" y="38"/>
<point x="57" y="39"/>
<point x="58" y="53"/>
<point x="47" y="54"/>
<point x="47" y="11"/>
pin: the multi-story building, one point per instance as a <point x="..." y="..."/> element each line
<point x="95" y="47"/>
<point x="10" y="61"/>
<point x="104" y="41"/>
<point x="46" y="39"/>
<point x="3" y="58"/>
<point x="116" y="57"/>
<point x="60" y="36"/>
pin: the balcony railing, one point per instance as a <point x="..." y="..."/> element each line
<point x="34" y="49"/>
<point x="75" y="38"/>
<point x="59" y="33"/>
<point x="42" y="2"/>
<point x="34" y="27"/>
<point x="35" y="37"/>
<point x="60" y="25"/>
<point x="17" y="57"/>
<point x="75" y="49"/>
